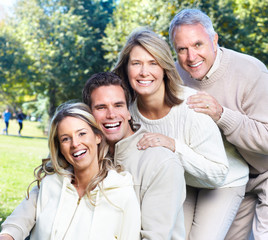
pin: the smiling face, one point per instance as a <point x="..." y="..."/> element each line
<point x="196" y="52"/>
<point x="78" y="144"/>
<point x="145" y="75"/>
<point x="110" y="110"/>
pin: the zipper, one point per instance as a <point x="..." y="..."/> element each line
<point x="78" y="202"/>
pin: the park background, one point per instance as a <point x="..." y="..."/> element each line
<point x="49" y="48"/>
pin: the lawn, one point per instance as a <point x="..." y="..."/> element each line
<point x="18" y="158"/>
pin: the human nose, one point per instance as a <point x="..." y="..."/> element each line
<point x="111" y="113"/>
<point x="75" y="141"/>
<point x="144" y="71"/>
<point x="191" y="55"/>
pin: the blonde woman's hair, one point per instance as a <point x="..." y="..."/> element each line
<point x="160" y="50"/>
<point x="56" y="163"/>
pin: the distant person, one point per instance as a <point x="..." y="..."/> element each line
<point x="234" y="93"/>
<point x="20" y="117"/>
<point x="83" y="196"/>
<point x="6" y="116"/>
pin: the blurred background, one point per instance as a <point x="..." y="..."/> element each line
<point x="49" y="48"/>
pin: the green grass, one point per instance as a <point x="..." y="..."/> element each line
<point x="18" y="158"/>
<point x="30" y="129"/>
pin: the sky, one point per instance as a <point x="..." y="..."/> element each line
<point x="7" y="3"/>
<point x="5" y="6"/>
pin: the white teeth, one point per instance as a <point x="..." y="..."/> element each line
<point x="145" y="82"/>
<point x="79" y="153"/>
<point x="197" y="64"/>
<point x="111" y="125"/>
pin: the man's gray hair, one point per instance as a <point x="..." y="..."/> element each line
<point x="191" y="17"/>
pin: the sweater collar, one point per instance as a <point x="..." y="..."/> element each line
<point x="112" y="182"/>
<point x="216" y="75"/>
<point x="215" y="65"/>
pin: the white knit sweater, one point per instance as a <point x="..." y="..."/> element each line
<point x="199" y="146"/>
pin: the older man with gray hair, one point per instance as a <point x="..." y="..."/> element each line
<point x="233" y="92"/>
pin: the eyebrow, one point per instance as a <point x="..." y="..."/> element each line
<point x="193" y="44"/>
<point x="103" y="105"/>
<point x="78" y="130"/>
<point x="138" y="60"/>
<point x="120" y="102"/>
<point x="99" y="105"/>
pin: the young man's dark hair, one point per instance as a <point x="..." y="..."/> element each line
<point x="102" y="79"/>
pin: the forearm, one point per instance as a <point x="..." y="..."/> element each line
<point x="244" y="121"/>
<point x="205" y="169"/>
<point x="22" y="219"/>
<point x="201" y="152"/>
<point x="245" y="132"/>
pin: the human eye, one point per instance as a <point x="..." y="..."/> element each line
<point x="82" y="133"/>
<point x="198" y="44"/>
<point x="181" y="50"/>
<point x="135" y="63"/>
<point x="100" y="107"/>
<point x="65" y="139"/>
<point x="154" y="63"/>
<point x="119" y="105"/>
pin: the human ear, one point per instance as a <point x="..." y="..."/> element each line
<point x="98" y="139"/>
<point x="215" y="42"/>
<point x="129" y="116"/>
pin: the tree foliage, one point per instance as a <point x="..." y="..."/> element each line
<point x="253" y="22"/>
<point x="241" y="24"/>
<point x="129" y="15"/>
<point x="50" y="47"/>
<point x="62" y="40"/>
<point x="16" y="72"/>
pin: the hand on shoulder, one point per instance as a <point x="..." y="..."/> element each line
<point x="204" y="103"/>
<point x="5" y="236"/>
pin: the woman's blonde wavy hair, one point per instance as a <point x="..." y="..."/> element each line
<point x="56" y="163"/>
<point x="161" y="52"/>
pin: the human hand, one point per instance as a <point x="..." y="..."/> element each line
<point x="204" y="103"/>
<point x="156" y="140"/>
<point x="5" y="236"/>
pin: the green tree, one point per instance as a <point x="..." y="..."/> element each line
<point x="16" y="72"/>
<point x="129" y="15"/>
<point x="253" y="22"/>
<point x="62" y="38"/>
<point x="241" y="24"/>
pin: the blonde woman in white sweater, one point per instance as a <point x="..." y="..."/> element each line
<point x="215" y="184"/>
<point x="82" y="196"/>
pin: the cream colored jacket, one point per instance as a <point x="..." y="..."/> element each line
<point x="60" y="214"/>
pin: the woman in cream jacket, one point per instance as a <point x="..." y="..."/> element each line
<point x="82" y="195"/>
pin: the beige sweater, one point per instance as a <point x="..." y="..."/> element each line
<point x="159" y="185"/>
<point x="240" y="85"/>
<point x="199" y="146"/>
